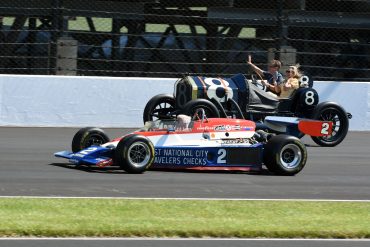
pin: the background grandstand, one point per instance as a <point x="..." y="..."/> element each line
<point x="168" y="38"/>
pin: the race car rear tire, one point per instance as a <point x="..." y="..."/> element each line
<point x="330" y="111"/>
<point x="87" y="137"/>
<point x="284" y="155"/>
<point x="210" y="109"/>
<point x="134" y="154"/>
<point x="158" y="107"/>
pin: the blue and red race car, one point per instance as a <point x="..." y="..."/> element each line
<point x="198" y="143"/>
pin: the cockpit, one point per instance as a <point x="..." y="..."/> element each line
<point x="182" y="123"/>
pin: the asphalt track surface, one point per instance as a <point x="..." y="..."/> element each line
<point x="28" y="168"/>
<point x="184" y="243"/>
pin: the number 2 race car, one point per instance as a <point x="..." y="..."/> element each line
<point x="247" y="99"/>
<point x="197" y="143"/>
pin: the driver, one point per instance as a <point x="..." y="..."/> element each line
<point x="183" y="122"/>
<point x="272" y="76"/>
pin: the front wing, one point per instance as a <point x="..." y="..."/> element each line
<point x="94" y="155"/>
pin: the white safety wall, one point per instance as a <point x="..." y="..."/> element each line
<point x="73" y="101"/>
<point x="353" y="96"/>
<point x="76" y="101"/>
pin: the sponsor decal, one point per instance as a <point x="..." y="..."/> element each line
<point x="184" y="157"/>
<point x="220" y="128"/>
<point x="104" y="162"/>
<point x="206" y="128"/>
<point x="223" y="128"/>
<point x="227" y="127"/>
<point x="236" y="127"/>
<point x="234" y="141"/>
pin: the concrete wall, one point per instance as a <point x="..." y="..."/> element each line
<point x="70" y="101"/>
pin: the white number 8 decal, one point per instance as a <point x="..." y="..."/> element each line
<point x="212" y="89"/>
<point x="310" y="100"/>
<point x="325" y="129"/>
<point x="304" y="80"/>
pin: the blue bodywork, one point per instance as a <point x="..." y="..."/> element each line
<point x="221" y="156"/>
<point x="179" y="156"/>
<point x="286" y="125"/>
<point x="90" y="156"/>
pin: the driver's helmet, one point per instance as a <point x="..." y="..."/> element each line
<point x="183" y="122"/>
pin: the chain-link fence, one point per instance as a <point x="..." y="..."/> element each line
<point x="166" y="38"/>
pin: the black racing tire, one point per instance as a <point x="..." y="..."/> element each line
<point x="284" y="155"/>
<point x="134" y="154"/>
<point x="330" y="111"/>
<point x="210" y="109"/>
<point x="159" y="107"/>
<point x="87" y="137"/>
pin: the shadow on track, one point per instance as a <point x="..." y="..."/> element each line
<point x="91" y="169"/>
<point x="312" y="146"/>
<point x="118" y="170"/>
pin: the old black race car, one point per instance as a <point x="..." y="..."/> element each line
<point x="238" y="97"/>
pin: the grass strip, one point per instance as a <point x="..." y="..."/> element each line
<point x="182" y="218"/>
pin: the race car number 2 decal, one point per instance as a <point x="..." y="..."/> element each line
<point x="325" y="128"/>
<point x="88" y="150"/>
<point x="85" y="151"/>
<point x="221" y="156"/>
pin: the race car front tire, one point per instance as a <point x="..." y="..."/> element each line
<point x="284" y="155"/>
<point x="87" y="137"/>
<point x="134" y="154"/>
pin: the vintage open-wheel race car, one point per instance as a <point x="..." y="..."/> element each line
<point x="238" y="97"/>
<point x="196" y="143"/>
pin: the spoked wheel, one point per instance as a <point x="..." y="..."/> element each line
<point x="134" y="154"/>
<point x="337" y="115"/>
<point x="209" y="108"/>
<point x="87" y="137"/>
<point x="159" y="107"/>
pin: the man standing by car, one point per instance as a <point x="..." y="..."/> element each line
<point x="272" y="76"/>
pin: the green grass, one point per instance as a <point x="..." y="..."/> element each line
<point x="176" y="218"/>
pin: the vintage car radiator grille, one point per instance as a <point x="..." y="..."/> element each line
<point x="183" y="93"/>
